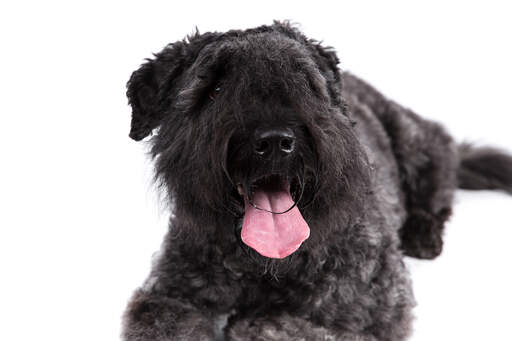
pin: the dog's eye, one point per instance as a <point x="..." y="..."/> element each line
<point x="214" y="92"/>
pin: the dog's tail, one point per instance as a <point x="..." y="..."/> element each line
<point x="484" y="168"/>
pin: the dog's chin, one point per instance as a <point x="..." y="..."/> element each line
<point x="271" y="267"/>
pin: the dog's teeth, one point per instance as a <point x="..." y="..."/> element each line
<point x="240" y="189"/>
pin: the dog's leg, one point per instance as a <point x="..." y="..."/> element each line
<point x="286" y="327"/>
<point x="427" y="161"/>
<point x="153" y="317"/>
<point x="183" y="297"/>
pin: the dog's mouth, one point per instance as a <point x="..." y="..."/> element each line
<point x="272" y="223"/>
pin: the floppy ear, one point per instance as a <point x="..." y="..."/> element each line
<point x="154" y="86"/>
<point x="325" y="58"/>
<point x="327" y="62"/>
<point x="142" y="89"/>
<point x="146" y="86"/>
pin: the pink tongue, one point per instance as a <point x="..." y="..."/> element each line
<point x="273" y="235"/>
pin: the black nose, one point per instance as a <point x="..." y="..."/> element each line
<point x="274" y="142"/>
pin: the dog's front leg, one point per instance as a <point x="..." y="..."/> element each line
<point x="286" y="327"/>
<point x="153" y="317"/>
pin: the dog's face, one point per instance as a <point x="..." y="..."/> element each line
<point x="250" y="123"/>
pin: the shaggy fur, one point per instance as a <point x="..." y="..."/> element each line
<point x="378" y="181"/>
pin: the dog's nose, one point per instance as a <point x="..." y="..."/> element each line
<point x="274" y="142"/>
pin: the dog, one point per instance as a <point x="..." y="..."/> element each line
<point x="296" y="189"/>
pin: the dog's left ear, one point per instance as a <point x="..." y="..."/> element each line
<point x="327" y="62"/>
<point x="326" y="58"/>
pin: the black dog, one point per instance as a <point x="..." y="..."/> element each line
<point x="293" y="197"/>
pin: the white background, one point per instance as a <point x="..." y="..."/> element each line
<point x="79" y="219"/>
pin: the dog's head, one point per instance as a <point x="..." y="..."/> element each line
<point x="250" y="123"/>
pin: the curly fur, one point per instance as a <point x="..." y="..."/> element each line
<point x="378" y="182"/>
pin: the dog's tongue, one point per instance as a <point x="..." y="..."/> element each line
<point x="273" y="235"/>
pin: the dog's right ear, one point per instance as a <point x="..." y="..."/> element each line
<point x="155" y="82"/>
<point x="144" y="89"/>
<point x="143" y="92"/>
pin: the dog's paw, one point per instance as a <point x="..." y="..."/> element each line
<point x="421" y="235"/>
<point x="278" y="328"/>
<point x="258" y="330"/>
